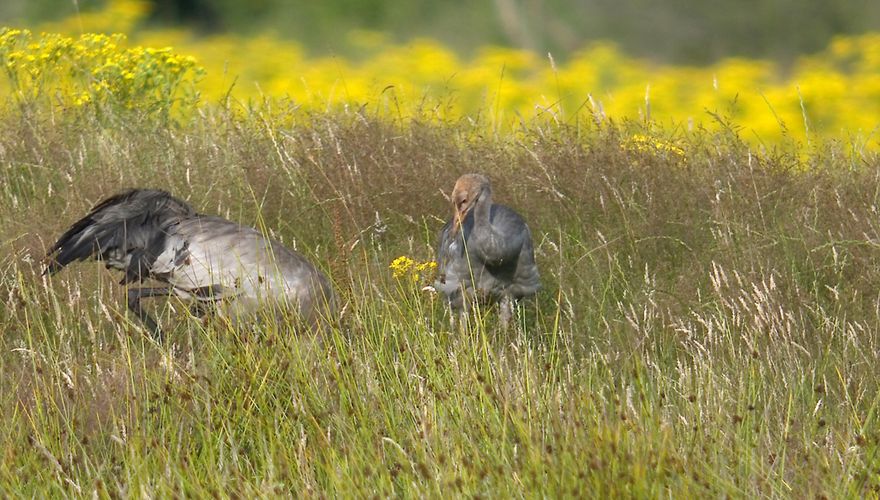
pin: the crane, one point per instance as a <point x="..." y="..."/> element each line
<point x="485" y="251"/>
<point x="203" y="259"/>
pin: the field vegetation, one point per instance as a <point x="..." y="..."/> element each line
<point x="708" y="324"/>
<point x="831" y="94"/>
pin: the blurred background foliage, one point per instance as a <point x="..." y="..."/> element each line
<point x="677" y="31"/>
<point x="773" y="69"/>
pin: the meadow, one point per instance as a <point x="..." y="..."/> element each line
<point x="708" y="324"/>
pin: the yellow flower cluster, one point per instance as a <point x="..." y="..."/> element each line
<point x="405" y="267"/>
<point x="640" y="143"/>
<point x="835" y="93"/>
<point x="94" y="69"/>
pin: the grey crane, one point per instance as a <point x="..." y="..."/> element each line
<point x="206" y="260"/>
<point x="485" y="251"/>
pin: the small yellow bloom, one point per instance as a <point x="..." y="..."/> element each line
<point x="401" y="266"/>
<point x="645" y="144"/>
<point x="82" y="99"/>
<point x="405" y="266"/>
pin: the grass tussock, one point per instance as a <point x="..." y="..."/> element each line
<point x="708" y="323"/>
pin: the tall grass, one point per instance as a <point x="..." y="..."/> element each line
<point x="708" y="323"/>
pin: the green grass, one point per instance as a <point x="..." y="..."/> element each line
<point x="708" y="324"/>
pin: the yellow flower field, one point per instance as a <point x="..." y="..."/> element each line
<point x="832" y="94"/>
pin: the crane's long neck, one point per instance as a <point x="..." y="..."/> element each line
<point x="486" y="241"/>
<point x="481" y="211"/>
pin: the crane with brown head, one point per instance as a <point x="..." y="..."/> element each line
<point x="485" y="251"/>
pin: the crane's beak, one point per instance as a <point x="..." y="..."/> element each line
<point x="456" y="223"/>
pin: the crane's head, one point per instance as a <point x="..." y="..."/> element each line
<point x="468" y="191"/>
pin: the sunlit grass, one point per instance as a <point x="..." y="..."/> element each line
<point x="708" y="323"/>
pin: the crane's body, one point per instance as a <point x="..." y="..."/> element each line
<point x="201" y="258"/>
<point x="485" y="251"/>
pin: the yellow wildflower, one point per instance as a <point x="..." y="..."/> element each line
<point x="645" y="144"/>
<point x="401" y="266"/>
<point x="405" y="266"/>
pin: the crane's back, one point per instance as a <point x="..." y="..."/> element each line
<point x="243" y="268"/>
